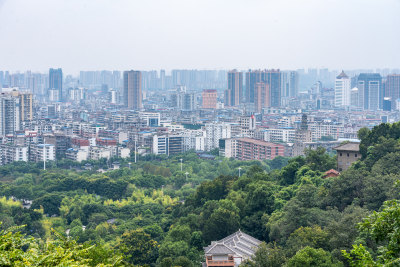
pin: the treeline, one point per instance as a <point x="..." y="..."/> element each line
<point x="155" y="214"/>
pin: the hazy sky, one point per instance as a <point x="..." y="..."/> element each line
<point x="204" y="34"/>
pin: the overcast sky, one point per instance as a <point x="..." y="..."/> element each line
<point x="203" y="34"/>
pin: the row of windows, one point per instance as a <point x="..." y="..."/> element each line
<point x="348" y="155"/>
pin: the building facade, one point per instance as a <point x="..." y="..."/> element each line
<point x="209" y="97"/>
<point x="370" y="91"/>
<point x="56" y="83"/>
<point x="234" y="93"/>
<point x="342" y="90"/>
<point x="133" y="89"/>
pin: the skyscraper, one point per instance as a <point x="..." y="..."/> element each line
<point x="393" y="87"/>
<point x="252" y="77"/>
<point x="56" y="81"/>
<point x="9" y="114"/>
<point x="234" y="93"/>
<point x="270" y="77"/>
<point x="289" y="83"/>
<point x="273" y="78"/>
<point x="370" y="91"/>
<point x="342" y="90"/>
<point x="261" y="96"/>
<point x="133" y="89"/>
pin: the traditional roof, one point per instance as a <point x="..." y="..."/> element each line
<point x="239" y="244"/>
<point x="348" y="147"/>
<point x="331" y="173"/>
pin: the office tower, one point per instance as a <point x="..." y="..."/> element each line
<point x="289" y="84"/>
<point x="293" y="84"/>
<point x="133" y="89"/>
<point x="342" y="90"/>
<point x="55" y="83"/>
<point x="370" y="91"/>
<point x="252" y="77"/>
<point x="234" y="93"/>
<point x="387" y="104"/>
<point x="261" y="96"/>
<point x="9" y="114"/>
<point x="354" y="102"/>
<point x="270" y="77"/>
<point x="209" y="97"/>
<point x="273" y="78"/>
<point x="393" y="87"/>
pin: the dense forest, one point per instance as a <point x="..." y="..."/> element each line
<point x="161" y="212"/>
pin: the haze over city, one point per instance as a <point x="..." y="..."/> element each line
<point x="156" y="34"/>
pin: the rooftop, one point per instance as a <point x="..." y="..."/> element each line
<point x="342" y="75"/>
<point x="348" y="147"/>
<point x="238" y="243"/>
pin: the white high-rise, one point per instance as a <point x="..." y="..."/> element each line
<point x="10" y="119"/>
<point x="342" y="90"/>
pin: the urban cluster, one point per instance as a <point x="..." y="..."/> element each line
<point x="247" y="115"/>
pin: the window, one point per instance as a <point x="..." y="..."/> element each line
<point x="340" y="154"/>
<point x="348" y="155"/>
<point x="355" y="155"/>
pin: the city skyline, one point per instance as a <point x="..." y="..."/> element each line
<point x="180" y="34"/>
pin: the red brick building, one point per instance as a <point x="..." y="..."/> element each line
<point x="252" y="149"/>
<point x="209" y="98"/>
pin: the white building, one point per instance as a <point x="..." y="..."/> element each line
<point x="96" y="153"/>
<point x="43" y="152"/>
<point x="280" y="135"/>
<point x="194" y="139"/>
<point x="10" y="119"/>
<point x="215" y="132"/>
<point x="342" y="90"/>
<point x="11" y="153"/>
<point x="77" y="154"/>
<point x="151" y="118"/>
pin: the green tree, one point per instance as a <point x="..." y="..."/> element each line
<point x="266" y="256"/>
<point x="310" y="257"/>
<point x="319" y="160"/>
<point x="313" y="237"/>
<point x="384" y="228"/>
<point x="138" y="247"/>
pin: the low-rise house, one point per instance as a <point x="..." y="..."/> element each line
<point x="346" y="155"/>
<point x="231" y="251"/>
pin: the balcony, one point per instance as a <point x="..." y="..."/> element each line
<point x="220" y="263"/>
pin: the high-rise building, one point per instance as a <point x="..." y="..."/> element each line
<point x="26" y="106"/>
<point x="270" y="77"/>
<point x="252" y="77"/>
<point x="209" y="97"/>
<point x="9" y="114"/>
<point x="234" y="93"/>
<point x="56" y="82"/>
<point x="370" y="91"/>
<point x="261" y="96"/>
<point x="273" y="78"/>
<point x="392" y="88"/>
<point x="133" y="89"/>
<point x="289" y="83"/>
<point x="342" y="90"/>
